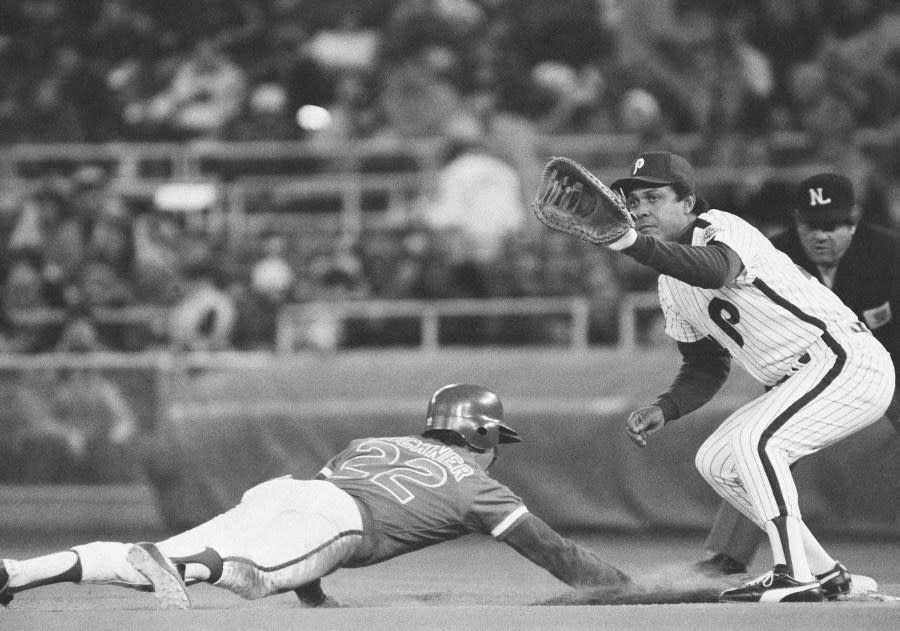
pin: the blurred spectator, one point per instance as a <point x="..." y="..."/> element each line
<point x="79" y="333"/>
<point x="790" y="34"/>
<point x="267" y="116"/>
<point x="333" y="275"/>
<point x="292" y="66"/>
<point x="418" y="100"/>
<point x="577" y="99"/>
<point x="75" y="426"/>
<point x="740" y="87"/>
<point x="110" y="238"/>
<point x="203" y="319"/>
<point x="204" y="97"/>
<point x="14" y="85"/>
<point x="271" y="286"/>
<point x="158" y="245"/>
<point x="123" y="30"/>
<point x="640" y="114"/>
<point x="70" y="103"/>
<point x="97" y="284"/>
<point x="23" y="287"/>
<point x="477" y="203"/>
<point x="48" y="225"/>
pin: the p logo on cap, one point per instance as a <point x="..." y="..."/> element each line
<point x="637" y="165"/>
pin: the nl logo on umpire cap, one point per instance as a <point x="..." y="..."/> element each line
<point x="817" y="197"/>
<point x="825" y="192"/>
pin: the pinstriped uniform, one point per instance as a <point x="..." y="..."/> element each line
<point x="829" y="377"/>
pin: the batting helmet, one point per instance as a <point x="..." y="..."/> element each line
<point x="470" y="413"/>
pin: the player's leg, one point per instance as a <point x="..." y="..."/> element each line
<point x="841" y="390"/>
<point x="284" y="534"/>
<point x="98" y="562"/>
<point x="717" y="460"/>
<point x="732" y="541"/>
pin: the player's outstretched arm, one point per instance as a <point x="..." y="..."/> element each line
<point x="563" y="558"/>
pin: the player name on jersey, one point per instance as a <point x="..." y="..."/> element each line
<point x="439" y="453"/>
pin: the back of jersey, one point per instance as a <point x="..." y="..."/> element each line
<point x="418" y="491"/>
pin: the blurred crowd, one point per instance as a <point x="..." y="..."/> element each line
<point x="96" y="70"/>
<point x="489" y="75"/>
<point x="77" y="249"/>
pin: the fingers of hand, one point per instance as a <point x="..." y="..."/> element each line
<point x="636" y="429"/>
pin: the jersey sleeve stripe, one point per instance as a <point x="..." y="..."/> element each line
<point x="508" y="521"/>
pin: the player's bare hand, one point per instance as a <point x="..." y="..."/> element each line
<point x="643" y="422"/>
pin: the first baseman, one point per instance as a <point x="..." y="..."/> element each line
<point x="727" y="292"/>
<point x="378" y="498"/>
<point x="858" y="261"/>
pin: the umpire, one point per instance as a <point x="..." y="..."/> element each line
<point x="860" y="262"/>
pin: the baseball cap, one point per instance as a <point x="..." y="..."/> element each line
<point x="825" y="198"/>
<point x="657" y="168"/>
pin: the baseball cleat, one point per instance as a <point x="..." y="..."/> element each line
<point x="168" y="586"/>
<point x="776" y="586"/>
<point x="5" y="593"/>
<point x="720" y="565"/>
<point x="835" y="582"/>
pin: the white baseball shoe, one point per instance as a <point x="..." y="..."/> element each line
<point x="168" y="585"/>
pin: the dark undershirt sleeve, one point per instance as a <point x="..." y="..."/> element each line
<point x="704" y="369"/>
<point x="708" y="266"/>
<point x="563" y="558"/>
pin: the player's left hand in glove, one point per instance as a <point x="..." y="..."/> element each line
<point x="572" y="199"/>
<point x="643" y="422"/>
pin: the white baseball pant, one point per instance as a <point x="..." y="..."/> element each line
<point x="284" y="533"/>
<point x="845" y="386"/>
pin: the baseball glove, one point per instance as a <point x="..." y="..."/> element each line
<point x="571" y="199"/>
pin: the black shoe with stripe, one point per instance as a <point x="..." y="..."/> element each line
<point x="776" y="586"/>
<point x="835" y="582"/>
<point x="5" y="593"/>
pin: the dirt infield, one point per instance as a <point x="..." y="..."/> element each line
<point x="471" y="583"/>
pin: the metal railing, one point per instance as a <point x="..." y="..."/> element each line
<point x="429" y="313"/>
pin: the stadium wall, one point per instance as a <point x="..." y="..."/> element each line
<point x="230" y="427"/>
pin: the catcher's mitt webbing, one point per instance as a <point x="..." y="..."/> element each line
<point x="571" y="199"/>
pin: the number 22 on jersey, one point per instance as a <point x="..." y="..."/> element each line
<point x="383" y="464"/>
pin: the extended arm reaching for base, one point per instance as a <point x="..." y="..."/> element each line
<point x="563" y="558"/>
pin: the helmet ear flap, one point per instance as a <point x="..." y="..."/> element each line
<point x="472" y="412"/>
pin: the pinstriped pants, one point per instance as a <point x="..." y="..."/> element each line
<point x="846" y="386"/>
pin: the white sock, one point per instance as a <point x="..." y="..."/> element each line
<point x="819" y="559"/>
<point x="793" y="539"/>
<point x="106" y="562"/>
<point x="41" y="568"/>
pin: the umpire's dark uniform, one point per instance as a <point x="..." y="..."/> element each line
<point x="867" y="279"/>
